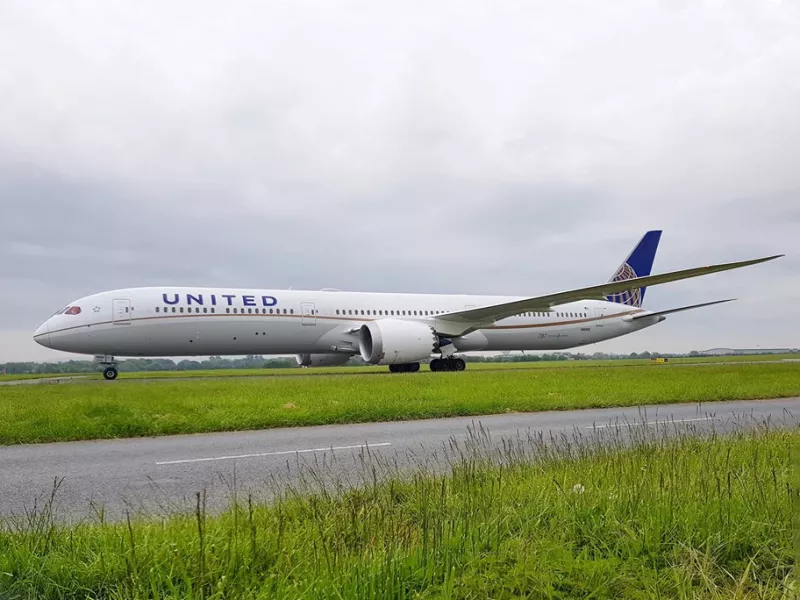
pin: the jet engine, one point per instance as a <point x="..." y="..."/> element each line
<point x="322" y="360"/>
<point x="394" y="341"/>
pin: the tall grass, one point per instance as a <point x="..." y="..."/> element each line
<point x="135" y="408"/>
<point x="676" y="512"/>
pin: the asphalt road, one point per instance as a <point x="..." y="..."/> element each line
<point x="164" y="474"/>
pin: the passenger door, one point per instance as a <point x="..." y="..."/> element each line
<point x="121" y="311"/>
<point x="599" y="313"/>
<point x="309" y="313"/>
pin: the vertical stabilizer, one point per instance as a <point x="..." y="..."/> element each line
<point x="638" y="264"/>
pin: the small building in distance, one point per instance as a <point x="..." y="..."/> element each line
<point x="745" y="351"/>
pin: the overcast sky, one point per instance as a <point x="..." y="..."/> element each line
<point x="458" y="146"/>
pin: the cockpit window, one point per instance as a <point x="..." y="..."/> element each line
<point x="73" y="310"/>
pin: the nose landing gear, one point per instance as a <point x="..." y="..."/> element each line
<point x="109" y="366"/>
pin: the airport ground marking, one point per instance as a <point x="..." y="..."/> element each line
<point x="664" y="422"/>
<point x="279" y="453"/>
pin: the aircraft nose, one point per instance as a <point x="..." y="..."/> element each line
<point x="42" y="335"/>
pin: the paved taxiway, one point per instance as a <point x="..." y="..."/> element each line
<point x="163" y="474"/>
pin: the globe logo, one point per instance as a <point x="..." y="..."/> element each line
<point x="630" y="297"/>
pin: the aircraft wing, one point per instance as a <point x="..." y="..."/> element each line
<point x="681" y="309"/>
<point x="495" y="312"/>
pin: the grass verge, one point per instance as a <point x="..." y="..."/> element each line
<point x="473" y="366"/>
<point x="692" y="517"/>
<point x="144" y="408"/>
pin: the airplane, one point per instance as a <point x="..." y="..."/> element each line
<point x="328" y="327"/>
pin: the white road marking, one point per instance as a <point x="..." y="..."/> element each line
<point x="281" y="453"/>
<point x="664" y="422"/>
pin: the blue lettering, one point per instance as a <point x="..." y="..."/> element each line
<point x="230" y="298"/>
<point x="167" y="300"/>
<point x="249" y="300"/>
<point x="197" y="299"/>
<point x="269" y="300"/>
<point x="213" y="300"/>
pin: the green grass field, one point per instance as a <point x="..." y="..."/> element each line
<point x="129" y="408"/>
<point x="692" y="518"/>
<point x="362" y="370"/>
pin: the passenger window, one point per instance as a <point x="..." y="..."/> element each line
<point x="291" y="311"/>
<point x="213" y="310"/>
<point x="157" y="309"/>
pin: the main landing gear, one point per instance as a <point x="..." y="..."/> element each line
<point x="110" y="373"/>
<point x="437" y="364"/>
<point x="448" y="364"/>
<point x="404" y="368"/>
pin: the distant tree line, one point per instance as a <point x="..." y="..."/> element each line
<point x="260" y="362"/>
<point x="149" y="364"/>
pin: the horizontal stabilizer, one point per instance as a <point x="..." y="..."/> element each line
<point x="681" y="309"/>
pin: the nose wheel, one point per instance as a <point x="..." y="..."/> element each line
<point x="109" y="365"/>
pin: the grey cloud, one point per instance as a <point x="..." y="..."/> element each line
<point x="401" y="147"/>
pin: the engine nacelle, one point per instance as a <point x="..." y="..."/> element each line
<point x="394" y="341"/>
<point x="322" y="360"/>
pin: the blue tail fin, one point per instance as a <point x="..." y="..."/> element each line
<point x="638" y="264"/>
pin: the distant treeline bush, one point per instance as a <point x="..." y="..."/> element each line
<point x="149" y="364"/>
<point x="254" y="362"/>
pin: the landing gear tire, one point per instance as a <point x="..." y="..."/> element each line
<point x="110" y="373"/>
<point x="404" y="368"/>
<point x="448" y="364"/>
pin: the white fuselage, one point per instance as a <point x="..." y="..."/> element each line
<point x="190" y="321"/>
